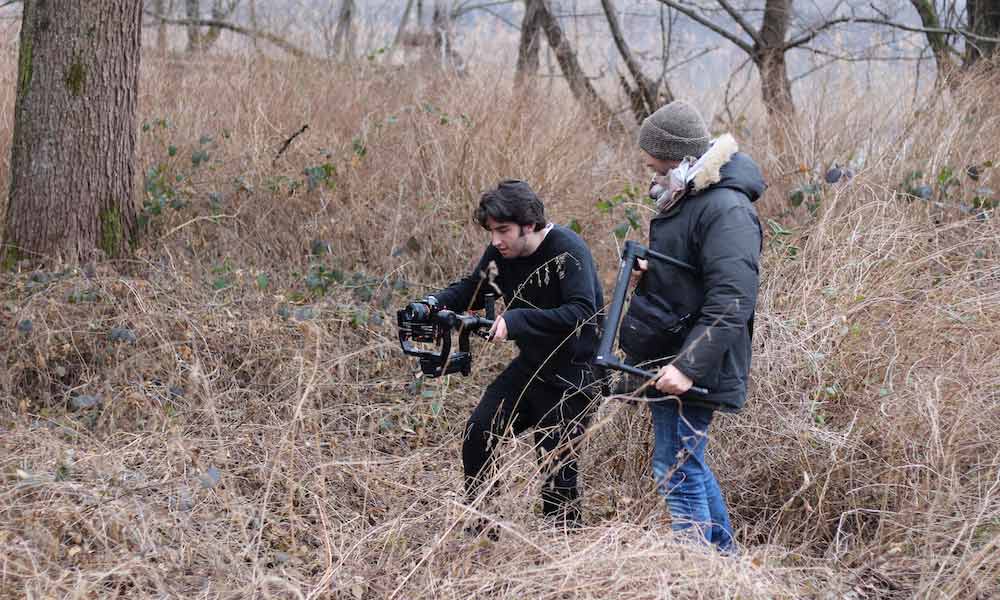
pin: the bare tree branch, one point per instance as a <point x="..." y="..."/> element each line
<point x="288" y="143"/>
<point x="810" y="35"/>
<point x="500" y="18"/>
<point x="838" y="57"/>
<point x="466" y="7"/>
<point x="220" y="12"/>
<point x="402" y="27"/>
<point x="704" y="22"/>
<point x="692" y="58"/>
<point x="726" y="101"/>
<point x="646" y="87"/>
<point x="582" y="89"/>
<point x="269" y="37"/>
<point x="736" y="16"/>
<point x="343" y="37"/>
<point x="666" y="40"/>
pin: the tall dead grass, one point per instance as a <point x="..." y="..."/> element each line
<point x="262" y="436"/>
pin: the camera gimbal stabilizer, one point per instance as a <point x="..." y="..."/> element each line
<point x="424" y="321"/>
<point x="606" y="357"/>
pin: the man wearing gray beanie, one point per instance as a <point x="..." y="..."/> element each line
<point x="695" y="326"/>
<point x="674" y="132"/>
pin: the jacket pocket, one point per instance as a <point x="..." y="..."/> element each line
<point x="734" y="369"/>
<point x="651" y="328"/>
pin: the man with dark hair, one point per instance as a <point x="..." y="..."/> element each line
<point x="695" y="326"/>
<point x="549" y="284"/>
<point x="515" y="204"/>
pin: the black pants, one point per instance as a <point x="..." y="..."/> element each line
<point x="558" y="412"/>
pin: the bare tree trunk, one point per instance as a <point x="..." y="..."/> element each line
<point x="162" y="45"/>
<point x="253" y="22"/>
<point x="202" y="41"/>
<point x="220" y="12"/>
<point x="984" y="20"/>
<point x="645" y="97"/>
<point x="192" y="9"/>
<point x="264" y="35"/>
<point x="776" y="87"/>
<point x="343" y="38"/>
<point x="441" y="27"/>
<point x="73" y="157"/>
<point x="530" y="43"/>
<point x="401" y="29"/>
<point x="578" y="83"/>
<point x="938" y="42"/>
<point x="769" y="57"/>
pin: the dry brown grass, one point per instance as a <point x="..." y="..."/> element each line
<point x="865" y="465"/>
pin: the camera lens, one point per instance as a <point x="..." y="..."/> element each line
<point x="418" y="311"/>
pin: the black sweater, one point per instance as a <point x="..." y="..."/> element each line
<point x="552" y="298"/>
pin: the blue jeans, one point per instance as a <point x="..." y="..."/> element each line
<point x="682" y="475"/>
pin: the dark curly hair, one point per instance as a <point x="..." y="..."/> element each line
<point x="512" y="201"/>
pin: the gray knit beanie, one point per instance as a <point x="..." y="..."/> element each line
<point x="673" y="132"/>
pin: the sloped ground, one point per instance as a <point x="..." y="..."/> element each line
<point x="228" y="414"/>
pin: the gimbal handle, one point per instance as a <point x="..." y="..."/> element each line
<point x="605" y="351"/>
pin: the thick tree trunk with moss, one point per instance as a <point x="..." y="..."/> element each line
<point x="73" y="158"/>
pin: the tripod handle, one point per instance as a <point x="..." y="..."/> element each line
<point x="651" y="375"/>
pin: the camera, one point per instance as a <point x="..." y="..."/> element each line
<point x="417" y="321"/>
<point x="425" y="321"/>
<point x="421" y="310"/>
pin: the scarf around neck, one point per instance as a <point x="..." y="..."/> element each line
<point x="667" y="190"/>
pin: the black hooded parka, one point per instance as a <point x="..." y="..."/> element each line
<point x="714" y="228"/>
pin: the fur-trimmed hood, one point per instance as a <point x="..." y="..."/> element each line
<point x="706" y="169"/>
<point x="723" y="165"/>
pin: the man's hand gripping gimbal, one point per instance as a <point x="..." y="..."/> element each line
<point x="424" y="321"/>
